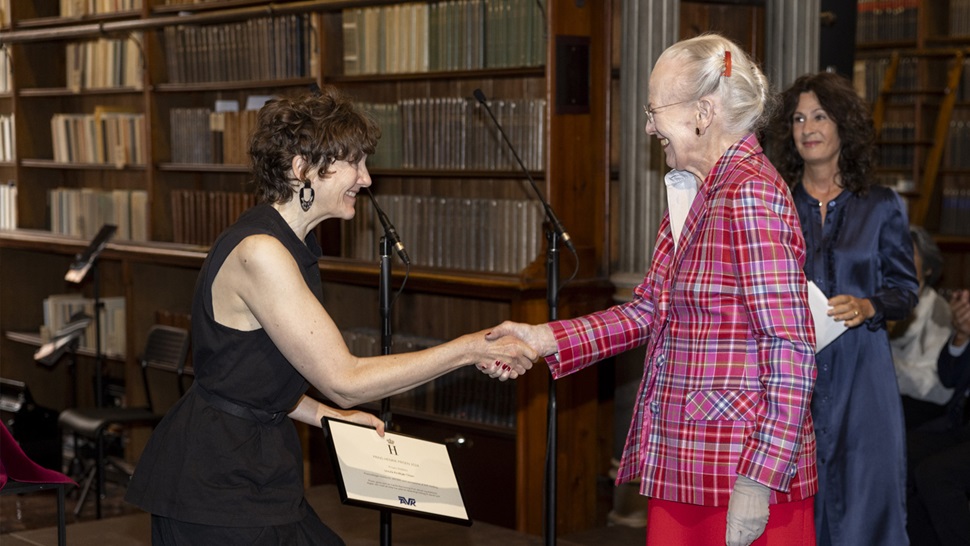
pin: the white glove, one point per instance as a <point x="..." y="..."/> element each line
<point x="747" y="513"/>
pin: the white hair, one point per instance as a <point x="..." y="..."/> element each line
<point x="705" y="69"/>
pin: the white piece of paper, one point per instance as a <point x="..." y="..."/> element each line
<point x="406" y="474"/>
<point x="826" y="327"/>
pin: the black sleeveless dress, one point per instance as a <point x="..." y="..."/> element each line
<point x="226" y="454"/>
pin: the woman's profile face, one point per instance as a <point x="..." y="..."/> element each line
<point x="673" y="122"/>
<point x="337" y="186"/>
<point x="815" y="133"/>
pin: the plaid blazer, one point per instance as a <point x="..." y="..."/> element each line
<point x="730" y="361"/>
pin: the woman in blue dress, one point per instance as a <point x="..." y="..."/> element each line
<point x="860" y="255"/>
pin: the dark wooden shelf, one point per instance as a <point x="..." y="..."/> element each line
<point x="203" y="167"/>
<point x="233" y="85"/>
<point x="399" y="173"/>
<point x="31" y="92"/>
<point x="490" y="73"/>
<point x="51" y="164"/>
<point x="333" y="269"/>
<point x="49" y="22"/>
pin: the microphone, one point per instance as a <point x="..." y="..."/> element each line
<point x="389" y="230"/>
<point x="553" y="220"/>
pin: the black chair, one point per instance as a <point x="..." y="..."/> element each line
<point x="165" y="350"/>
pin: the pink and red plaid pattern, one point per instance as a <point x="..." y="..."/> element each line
<point x="730" y="363"/>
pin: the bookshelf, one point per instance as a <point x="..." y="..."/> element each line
<point x="180" y="72"/>
<point x="911" y="64"/>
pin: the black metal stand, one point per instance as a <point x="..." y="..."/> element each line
<point x="65" y="342"/>
<point x="385" y="310"/>
<point x="98" y="350"/>
<point x="83" y="263"/>
<point x="552" y="299"/>
<point x="554" y="234"/>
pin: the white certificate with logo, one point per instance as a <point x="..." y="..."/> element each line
<point x="397" y="472"/>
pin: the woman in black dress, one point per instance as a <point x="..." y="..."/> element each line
<point x="225" y="466"/>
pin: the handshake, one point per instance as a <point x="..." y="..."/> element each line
<point x="509" y="349"/>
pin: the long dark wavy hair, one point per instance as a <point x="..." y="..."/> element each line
<point x="851" y="115"/>
<point x="320" y="127"/>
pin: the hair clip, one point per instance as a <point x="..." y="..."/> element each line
<point x="727" y="65"/>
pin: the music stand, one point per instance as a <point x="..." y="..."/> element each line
<point x="84" y="262"/>
<point x="65" y="340"/>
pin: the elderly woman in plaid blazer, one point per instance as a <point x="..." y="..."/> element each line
<point x="721" y="428"/>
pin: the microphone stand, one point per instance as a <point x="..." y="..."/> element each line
<point x="552" y="425"/>
<point x="389" y="241"/>
<point x="554" y="233"/>
<point x="385" y="310"/>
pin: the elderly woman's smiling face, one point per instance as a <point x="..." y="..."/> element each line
<point x="671" y="117"/>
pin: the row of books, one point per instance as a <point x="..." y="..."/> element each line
<point x="896" y="148"/>
<point x="456" y="133"/>
<point x="955" y="206"/>
<point x="887" y="20"/>
<point x="81" y="8"/>
<point x="423" y="133"/>
<point x="958" y="141"/>
<point x="8" y="205"/>
<point x="105" y="63"/>
<point x="201" y="135"/>
<point x="869" y="75"/>
<point x="438" y="36"/>
<point x="959" y="17"/>
<point x="199" y="216"/>
<point x="82" y="212"/>
<point x="59" y="308"/>
<point x="487" y="235"/>
<point x="268" y="48"/>
<point x="465" y="394"/>
<point x="6" y="77"/>
<point x="7" y="138"/>
<point x="107" y="136"/>
<point x="963" y="92"/>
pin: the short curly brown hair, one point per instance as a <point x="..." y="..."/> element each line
<point x="853" y="118"/>
<point x="322" y="128"/>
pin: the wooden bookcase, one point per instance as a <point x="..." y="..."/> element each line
<point x="911" y="63"/>
<point x="156" y="276"/>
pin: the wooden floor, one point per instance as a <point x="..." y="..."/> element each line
<point x="31" y="520"/>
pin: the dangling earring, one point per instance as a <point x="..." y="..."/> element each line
<point x="306" y="196"/>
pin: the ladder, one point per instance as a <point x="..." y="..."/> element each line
<point x="930" y="169"/>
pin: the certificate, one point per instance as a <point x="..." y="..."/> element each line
<point x="826" y="327"/>
<point x="397" y="472"/>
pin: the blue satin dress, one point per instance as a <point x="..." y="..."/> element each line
<point x="864" y="250"/>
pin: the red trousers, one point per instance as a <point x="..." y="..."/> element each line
<point x="676" y="523"/>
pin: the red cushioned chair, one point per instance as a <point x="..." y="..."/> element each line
<point x="19" y="474"/>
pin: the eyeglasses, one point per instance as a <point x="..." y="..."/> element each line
<point x="650" y="112"/>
